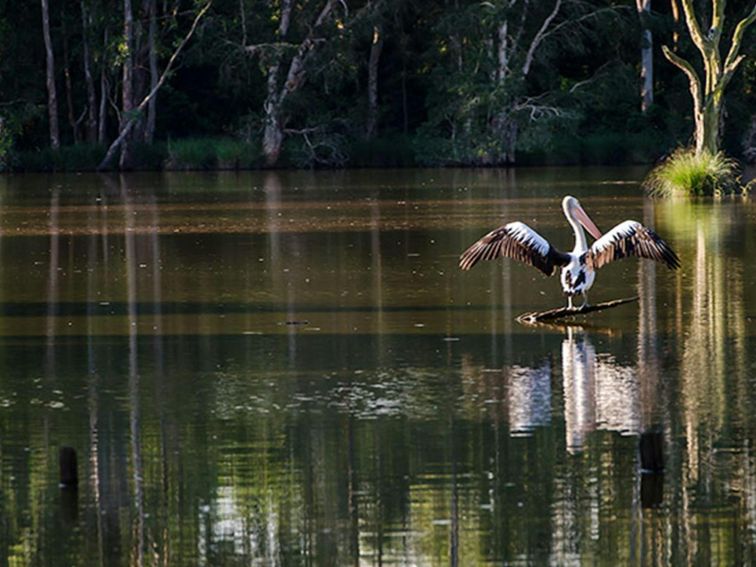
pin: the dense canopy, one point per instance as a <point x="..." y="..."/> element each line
<point x="350" y="82"/>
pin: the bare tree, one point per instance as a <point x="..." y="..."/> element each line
<point x="278" y="92"/>
<point x="128" y="121"/>
<point x="376" y="47"/>
<point x="708" y="95"/>
<point x="149" y="132"/>
<point x="647" y="55"/>
<point x="52" y="96"/>
<point x="86" y="20"/>
<point x="102" y="125"/>
<point x="127" y="85"/>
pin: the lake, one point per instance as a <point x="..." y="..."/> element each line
<point x="284" y="368"/>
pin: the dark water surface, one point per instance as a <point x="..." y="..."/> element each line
<point x="288" y="368"/>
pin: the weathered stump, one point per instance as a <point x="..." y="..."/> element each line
<point x="561" y="312"/>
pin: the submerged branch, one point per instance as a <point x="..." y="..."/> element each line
<point x="560" y="312"/>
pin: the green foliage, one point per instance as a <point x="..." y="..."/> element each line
<point x="212" y="153"/>
<point x="389" y="150"/>
<point x="685" y="173"/>
<point x="80" y="157"/>
<point x="445" y="94"/>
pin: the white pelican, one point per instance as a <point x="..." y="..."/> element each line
<point x="518" y="241"/>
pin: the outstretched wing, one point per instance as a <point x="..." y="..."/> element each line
<point x="630" y="238"/>
<point x="518" y="241"/>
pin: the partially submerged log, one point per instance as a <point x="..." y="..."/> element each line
<point x="560" y="312"/>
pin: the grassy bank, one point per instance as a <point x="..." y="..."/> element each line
<point x="390" y="150"/>
<point x="172" y="155"/>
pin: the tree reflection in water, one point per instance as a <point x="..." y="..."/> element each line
<point x="215" y="434"/>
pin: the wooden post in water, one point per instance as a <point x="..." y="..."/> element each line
<point x="69" y="475"/>
<point x="651" y="449"/>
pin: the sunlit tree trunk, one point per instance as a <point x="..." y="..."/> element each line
<point x="52" y="96"/>
<point x="89" y="79"/>
<point x="647" y="55"/>
<point x="127" y="88"/>
<point x="708" y="95"/>
<point x="375" y="55"/>
<point x="675" y="8"/>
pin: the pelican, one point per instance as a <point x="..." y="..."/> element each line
<point x="518" y="241"/>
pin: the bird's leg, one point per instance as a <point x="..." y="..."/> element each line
<point x="585" y="300"/>
<point x="569" y="303"/>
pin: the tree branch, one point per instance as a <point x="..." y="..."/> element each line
<point x="539" y="38"/>
<point x="732" y="60"/>
<point x="131" y="121"/>
<point x="296" y="74"/>
<point x="693" y="26"/>
<point x="689" y="70"/>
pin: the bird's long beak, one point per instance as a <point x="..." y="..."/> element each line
<point x="586" y="221"/>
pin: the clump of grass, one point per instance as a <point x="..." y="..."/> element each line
<point x="191" y="153"/>
<point x="211" y="153"/>
<point x="685" y="173"/>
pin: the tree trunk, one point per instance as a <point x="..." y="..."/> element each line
<point x="52" y="97"/>
<point x="375" y="56"/>
<point x="749" y="141"/>
<point x="503" y="51"/>
<point x="67" y="76"/>
<point x="708" y="123"/>
<point x="273" y="134"/>
<point x="129" y="121"/>
<point x="676" y="22"/>
<point x="102" y="126"/>
<point x="128" y="82"/>
<point x="91" y="94"/>
<point x="708" y="95"/>
<point x="272" y="138"/>
<point x="149" y="133"/>
<point x="647" y="56"/>
<point x="510" y="141"/>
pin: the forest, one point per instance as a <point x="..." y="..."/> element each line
<point x="238" y="84"/>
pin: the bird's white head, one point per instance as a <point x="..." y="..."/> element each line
<point x="574" y="211"/>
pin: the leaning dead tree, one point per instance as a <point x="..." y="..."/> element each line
<point x="129" y="121"/>
<point x="708" y="94"/>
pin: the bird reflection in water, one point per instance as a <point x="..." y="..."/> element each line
<point x="599" y="393"/>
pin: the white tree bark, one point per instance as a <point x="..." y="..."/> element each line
<point x="647" y="55"/>
<point x="375" y="55"/>
<point x="131" y="120"/>
<point x="52" y="95"/>
<point x="127" y="86"/>
<point x="273" y="134"/>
